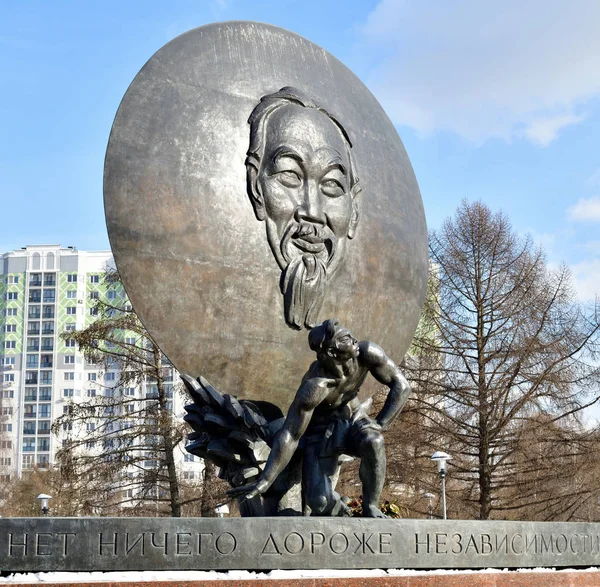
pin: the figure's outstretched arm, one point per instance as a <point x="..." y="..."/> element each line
<point x="388" y="373"/>
<point x="308" y="397"/>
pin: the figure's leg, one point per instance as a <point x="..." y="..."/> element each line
<point x="316" y="484"/>
<point x="372" y="471"/>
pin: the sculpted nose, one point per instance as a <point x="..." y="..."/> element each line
<point x="310" y="208"/>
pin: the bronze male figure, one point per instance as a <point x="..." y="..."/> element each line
<point x="327" y="419"/>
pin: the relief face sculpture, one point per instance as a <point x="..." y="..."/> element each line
<point x="302" y="183"/>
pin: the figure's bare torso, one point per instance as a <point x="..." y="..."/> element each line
<point x="342" y="390"/>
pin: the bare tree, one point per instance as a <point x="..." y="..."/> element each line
<point x="510" y="353"/>
<point x="121" y="445"/>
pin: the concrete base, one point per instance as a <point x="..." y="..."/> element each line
<point x="566" y="578"/>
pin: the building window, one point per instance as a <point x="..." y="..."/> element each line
<point x="90" y="444"/>
<point x="6" y="427"/>
<point x="130" y="341"/>
<point x="69" y="376"/>
<point x="13" y="279"/>
<point x="45" y="377"/>
<point x="90" y="426"/>
<point x="69" y="359"/>
<point x="94" y="295"/>
<point x="30" y="394"/>
<point x="47" y="328"/>
<point x="50" y="278"/>
<point x="72" y="294"/>
<point x="32" y="362"/>
<point x="112" y="295"/>
<point x="130" y="391"/>
<point x="10" y="344"/>
<point x="189" y="475"/>
<point x="70" y="327"/>
<point x="94" y="279"/>
<point x="92" y="376"/>
<point x="6" y="461"/>
<point x="49" y="296"/>
<point x="43" y="426"/>
<point x="109" y="376"/>
<point x="72" y="278"/>
<point x="12" y="295"/>
<point x="6" y="444"/>
<point x="93" y="311"/>
<point x="68" y="392"/>
<point x="70" y="343"/>
<point x="48" y="345"/>
<point x="43" y="461"/>
<point x="28" y="459"/>
<point x="11" y="312"/>
<point x="44" y="411"/>
<point x="35" y="280"/>
<point x="91" y="393"/>
<point x="7" y="411"/>
<point x="45" y="394"/>
<point x="188" y="458"/>
<point x="10" y="328"/>
<point x="29" y="428"/>
<point x="8" y="394"/>
<point x="9" y="361"/>
<point x="71" y="310"/>
<point x="31" y="377"/>
<point x="48" y="313"/>
<point x="9" y="378"/>
<point x="43" y="444"/>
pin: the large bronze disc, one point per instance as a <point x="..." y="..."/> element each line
<point x="325" y="208"/>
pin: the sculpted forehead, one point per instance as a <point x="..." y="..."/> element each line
<point x="305" y="129"/>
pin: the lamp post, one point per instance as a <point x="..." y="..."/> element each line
<point x="429" y="497"/>
<point x="440" y="459"/>
<point x="44" y="503"/>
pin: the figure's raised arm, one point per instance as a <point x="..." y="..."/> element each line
<point x="388" y="373"/>
<point x="310" y="394"/>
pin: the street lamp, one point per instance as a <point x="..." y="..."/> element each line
<point x="44" y="503"/>
<point x="440" y="459"/>
<point x="429" y="497"/>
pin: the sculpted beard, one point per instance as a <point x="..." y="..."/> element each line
<point x="304" y="278"/>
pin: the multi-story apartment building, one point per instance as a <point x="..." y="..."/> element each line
<point x="46" y="290"/>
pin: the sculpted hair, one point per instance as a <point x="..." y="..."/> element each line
<point x="268" y="104"/>
<point x="320" y="337"/>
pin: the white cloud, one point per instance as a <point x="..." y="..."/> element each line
<point x="586" y="209"/>
<point x="544" y="130"/>
<point x="483" y="68"/>
<point x="586" y="278"/>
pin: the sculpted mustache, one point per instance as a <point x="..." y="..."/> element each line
<point x="301" y="229"/>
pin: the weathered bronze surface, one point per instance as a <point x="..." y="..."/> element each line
<point x="203" y="258"/>
<point x="266" y="458"/>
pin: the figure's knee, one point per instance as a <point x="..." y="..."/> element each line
<point x="372" y="443"/>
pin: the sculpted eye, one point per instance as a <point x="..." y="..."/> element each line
<point x="332" y="188"/>
<point x="289" y="179"/>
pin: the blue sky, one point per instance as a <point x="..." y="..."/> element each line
<point x="494" y="101"/>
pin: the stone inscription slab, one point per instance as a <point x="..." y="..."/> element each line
<point x="111" y="544"/>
